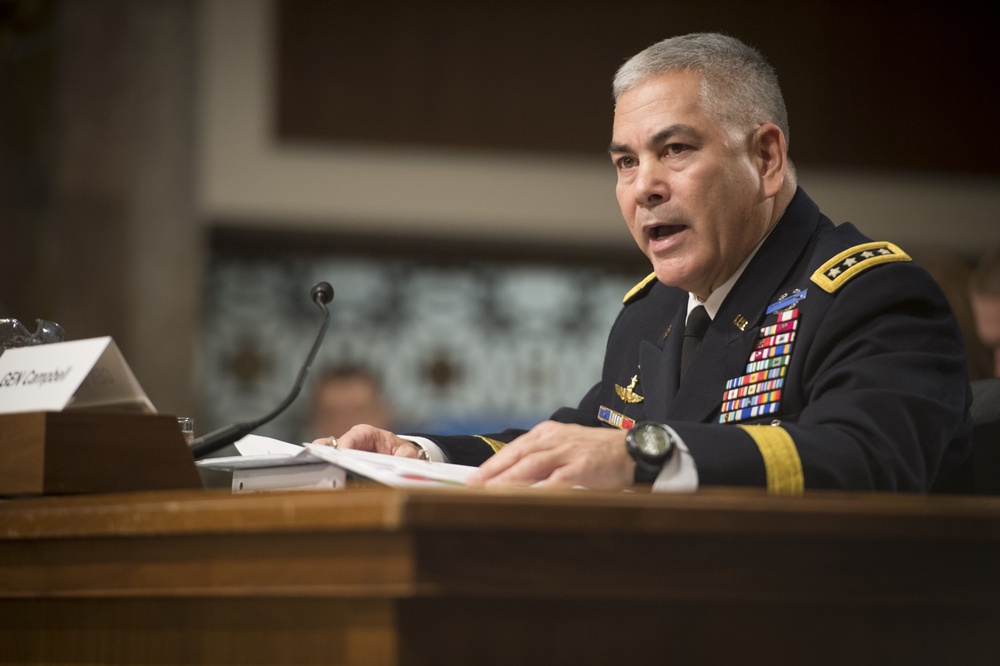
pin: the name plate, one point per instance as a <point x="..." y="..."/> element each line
<point x="69" y="375"/>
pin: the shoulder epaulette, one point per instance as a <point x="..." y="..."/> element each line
<point x="832" y="275"/>
<point x="638" y="289"/>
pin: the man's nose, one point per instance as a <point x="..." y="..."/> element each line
<point x="651" y="186"/>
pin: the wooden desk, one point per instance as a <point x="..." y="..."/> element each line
<point x="383" y="576"/>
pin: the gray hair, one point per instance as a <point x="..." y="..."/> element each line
<point x="739" y="88"/>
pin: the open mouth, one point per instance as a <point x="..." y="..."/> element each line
<point x="661" y="231"/>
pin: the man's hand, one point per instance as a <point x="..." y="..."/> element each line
<point x="560" y="455"/>
<point x="370" y="438"/>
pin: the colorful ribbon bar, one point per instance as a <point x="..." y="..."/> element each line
<point x="749" y="413"/>
<point x="612" y="417"/>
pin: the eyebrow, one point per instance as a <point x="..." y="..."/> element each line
<point x="663" y="135"/>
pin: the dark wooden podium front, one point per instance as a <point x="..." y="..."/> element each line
<point x="379" y="576"/>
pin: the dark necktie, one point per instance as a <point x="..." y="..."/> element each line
<point x="694" y="331"/>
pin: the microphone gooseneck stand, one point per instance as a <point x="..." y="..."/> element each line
<point x="321" y="293"/>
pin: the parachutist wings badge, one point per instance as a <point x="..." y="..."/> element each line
<point x="627" y="394"/>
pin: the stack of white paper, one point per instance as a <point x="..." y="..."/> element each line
<point x="270" y="464"/>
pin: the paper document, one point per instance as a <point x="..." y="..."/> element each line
<point x="395" y="471"/>
<point x="257" y="451"/>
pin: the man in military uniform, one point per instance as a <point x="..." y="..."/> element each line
<point x="814" y="356"/>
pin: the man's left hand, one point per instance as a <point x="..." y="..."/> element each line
<point x="560" y="455"/>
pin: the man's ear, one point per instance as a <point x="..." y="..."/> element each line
<point x="771" y="153"/>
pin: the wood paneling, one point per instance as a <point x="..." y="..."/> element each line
<point x="868" y="84"/>
<point x="378" y="576"/>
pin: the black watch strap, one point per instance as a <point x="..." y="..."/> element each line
<point x="646" y="473"/>
<point x="651" y="445"/>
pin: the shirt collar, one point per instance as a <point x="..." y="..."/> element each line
<point x="715" y="299"/>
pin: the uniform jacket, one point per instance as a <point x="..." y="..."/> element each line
<point x="873" y="391"/>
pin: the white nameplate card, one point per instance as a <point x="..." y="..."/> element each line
<point x="69" y="375"/>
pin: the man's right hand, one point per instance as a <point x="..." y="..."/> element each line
<point x="370" y="438"/>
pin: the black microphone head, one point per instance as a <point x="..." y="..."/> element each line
<point x="322" y="292"/>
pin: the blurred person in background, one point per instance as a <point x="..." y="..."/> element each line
<point x="345" y="396"/>
<point x="985" y="294"/>
<point x="954" y="276"/>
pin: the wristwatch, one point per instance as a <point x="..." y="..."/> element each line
<point x="651" y="445"/>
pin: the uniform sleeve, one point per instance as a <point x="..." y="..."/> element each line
<point x="471" y="449"/>
<point x="475" y="449"/>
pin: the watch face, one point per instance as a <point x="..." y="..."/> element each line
<point x="652" y="441"/>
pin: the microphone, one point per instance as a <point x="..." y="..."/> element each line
<point x="321" y="293"/>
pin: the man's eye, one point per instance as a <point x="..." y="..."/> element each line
<point x="625" y="162"/>
<point x="675" y="148"/>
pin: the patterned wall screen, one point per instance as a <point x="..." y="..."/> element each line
<point x="459" y="348"/>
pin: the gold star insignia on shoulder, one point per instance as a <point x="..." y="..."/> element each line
<point x="627" y="394"/>
<point x="832" y="275"/>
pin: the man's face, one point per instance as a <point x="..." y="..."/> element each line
<point x="986" y="310"/>
<point x="688" y="187"/>
<point x="340" y="404"/>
